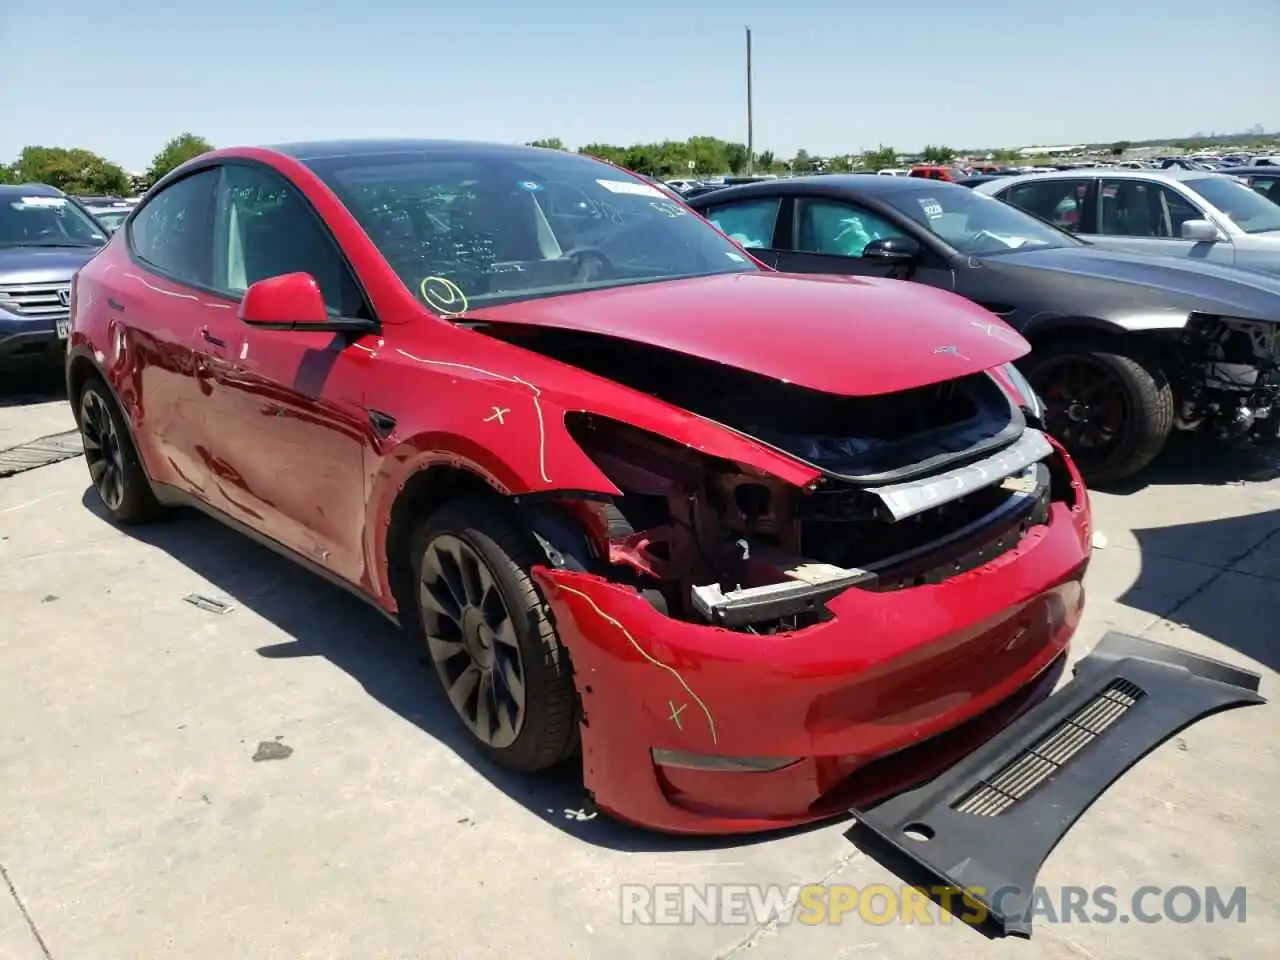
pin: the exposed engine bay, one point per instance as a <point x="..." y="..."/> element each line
<point x="1228" y="380"/>
<point x="916" y="487"/>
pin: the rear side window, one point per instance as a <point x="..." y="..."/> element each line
<point x="173" y="232"/>
<point x="1060" y="202"/>
<point x="749" y="223"/>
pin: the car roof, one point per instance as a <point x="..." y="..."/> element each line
<point x="1172" y="175"/>
<point x="866" y="185"/>
<point x="855" y="186"/>
<point x="333" y="149"/>
<point x="1249" y="171"/>
<point x="29" y="190"/>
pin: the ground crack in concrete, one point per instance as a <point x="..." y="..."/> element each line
<point x="22" y="908"/>
<point x="769" y="928"/>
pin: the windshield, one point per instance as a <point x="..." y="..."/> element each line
<point x="1248" y="210"/>
<point x="46" y="222"/>
<point x="975" y="224"/>
<point x="465" y="229"/>
<point x="111" y="219"/>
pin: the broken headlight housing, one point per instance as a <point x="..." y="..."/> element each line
<point x="1026" y="393"/>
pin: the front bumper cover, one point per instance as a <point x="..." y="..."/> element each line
<point x="985" y="826"/>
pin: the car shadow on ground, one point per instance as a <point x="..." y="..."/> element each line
<point x="1238" y="627"/>
<point x="325" y="621"/>
<point x="21" y="387"/>
<point x="1201" y="461"/>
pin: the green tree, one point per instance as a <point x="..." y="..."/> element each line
<point x="550" y="143"/>
<point x="183" y="147"/>
<point x="605" y="151"/>
<point x="73" y="170"/>
<point x="736" y="155"/>
<point x="6" y="174"/>
<point x="802" y="162"/>
<point x="1119" y="147"/>
<point x="880" y="159"/>
<point x="938" y="155"/>
<point x="766" y="162"/>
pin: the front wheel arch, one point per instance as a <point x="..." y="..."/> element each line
<point x="422" y="495"/>
<point x="80" y="370"/>
<point x="1139" y="370"/>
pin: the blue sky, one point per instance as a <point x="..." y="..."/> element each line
<point x="120" y="78"/>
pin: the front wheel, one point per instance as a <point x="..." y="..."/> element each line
<point x="1108" y="405"/>
<point x="489" y="635"/>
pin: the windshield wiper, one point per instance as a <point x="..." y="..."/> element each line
<point x="58" y="243"/>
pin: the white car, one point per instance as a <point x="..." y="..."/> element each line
<point x="1177" y="213"/>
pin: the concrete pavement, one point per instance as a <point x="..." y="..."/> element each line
<point x="138" y="823"/>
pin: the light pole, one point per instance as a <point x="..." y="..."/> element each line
<point x="751" y="147"/>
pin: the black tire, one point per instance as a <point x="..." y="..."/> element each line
<point x="1144" y="393"/>
<point x="110" y="453"/>
<point x="548" y="732"/>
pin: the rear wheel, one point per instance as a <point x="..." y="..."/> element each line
<point x="1108" y="405"/>
<point x="489" y="635"/>
<point x="114" y="465"/>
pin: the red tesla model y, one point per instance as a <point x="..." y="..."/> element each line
<point x="757" y="548"/>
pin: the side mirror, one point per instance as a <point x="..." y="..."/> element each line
<point x="892" y="250"/>
<point x="285" y="302"/>
<point x="1200" y="231"/>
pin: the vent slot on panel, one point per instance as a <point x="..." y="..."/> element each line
<point x="1038" y="763"/>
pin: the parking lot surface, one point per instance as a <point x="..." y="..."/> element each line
<point x="279" y="779"/>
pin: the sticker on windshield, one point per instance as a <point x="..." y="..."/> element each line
<point x="32" y="203"/>
<point x="529" y="185"/>
<point x="932" y="209"/>
<point x="632" y="188"/>
<point x="735" y="257"/>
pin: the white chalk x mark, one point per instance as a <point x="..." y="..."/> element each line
<point x="675" y="713"/>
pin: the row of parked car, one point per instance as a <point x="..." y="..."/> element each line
<point x="713" y="528"/>
<point x="1211" y="374"/>
<point x="1151" y="298"/>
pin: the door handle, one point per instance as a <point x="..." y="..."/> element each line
<point x="210" y="338"/>
<point x="115" y="304"/>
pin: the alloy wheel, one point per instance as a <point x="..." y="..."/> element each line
<point x="472" y="640"/>
<point x="1086" y="407"/>
<point x="102" y="450"/>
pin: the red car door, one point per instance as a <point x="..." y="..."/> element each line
<point x="288" y="451"/>
<point x="149" y="291"/>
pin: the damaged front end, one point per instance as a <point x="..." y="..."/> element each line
<point x="1228" y="377"/>
<point x="914" y="488"/>
<point x="752" y="651"/>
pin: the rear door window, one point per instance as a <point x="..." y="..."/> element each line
<point x="173" y="232"/>
<point x="1060" y="202"/>
<point x="750" y="223"/>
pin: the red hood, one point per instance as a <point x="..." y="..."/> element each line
<point x="839" y="335"/>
